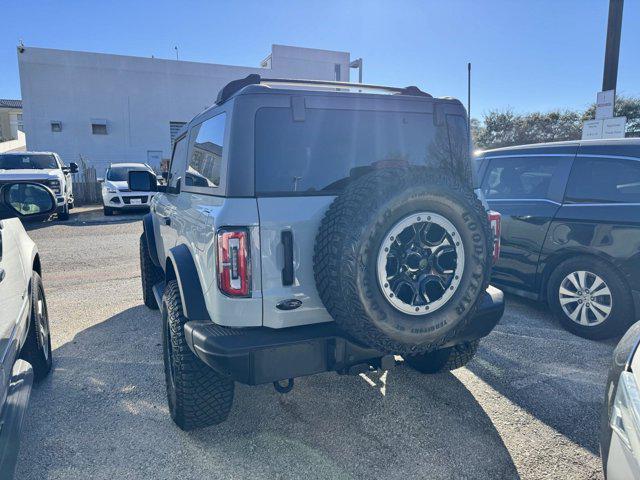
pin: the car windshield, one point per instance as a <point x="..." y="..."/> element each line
<point x="29" y="161"/>
<point x="120" y="174"/>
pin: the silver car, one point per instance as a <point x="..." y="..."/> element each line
<point x="620" y="420"/>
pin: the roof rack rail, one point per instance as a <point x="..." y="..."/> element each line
<point x="254" y="79"/>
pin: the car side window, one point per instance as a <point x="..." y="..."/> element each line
<point x="519" y="178"/>
<point x="177" y="161"/>
<point x="604" y="180"/>
<point x="205" y="157"/>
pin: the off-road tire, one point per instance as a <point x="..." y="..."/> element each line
<point x="108" y="211"/>
<point x="350" y="237"/>
<point x="622" y="313"/>
<point x="443" y="360"/>
<point x="36" y="349"/>
<point x="150" y="275"/>
<point x="63" y="213"/>
<point x="197" y="395"/>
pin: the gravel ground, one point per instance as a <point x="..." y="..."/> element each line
<point x="527" y="406"/>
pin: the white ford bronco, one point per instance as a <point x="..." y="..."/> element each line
<point x="315" y="226"/>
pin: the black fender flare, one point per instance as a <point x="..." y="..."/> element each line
<point x="150" y="237"/>
<point x="193" y="304"/>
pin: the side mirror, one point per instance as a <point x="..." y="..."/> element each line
<point x="26" y="199"/>
<point x="142" y="181"/>
<point x="100" y="180"/>
<point x="73" y="167"/>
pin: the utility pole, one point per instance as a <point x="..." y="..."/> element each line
<point x="176" y="49"/>
<point x="357" y="63"/>
<point x="612" y="52"/>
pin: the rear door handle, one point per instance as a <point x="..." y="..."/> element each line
<point x="165" y="219"/>
<point x="2" y="274"/>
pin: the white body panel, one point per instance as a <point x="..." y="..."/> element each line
<point x="17" y="254"/>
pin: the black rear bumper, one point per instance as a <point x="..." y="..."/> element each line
<point x="263" y="355"/>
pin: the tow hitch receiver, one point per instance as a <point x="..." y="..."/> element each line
<point x="280" y="388"/>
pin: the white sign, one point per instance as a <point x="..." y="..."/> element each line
<point x="604" y="104"/>
<point x="592" y="129"/>
<point x="614" y="127"/>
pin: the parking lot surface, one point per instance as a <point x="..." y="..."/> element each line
<point x="527" y="406"/>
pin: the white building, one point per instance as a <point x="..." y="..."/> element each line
<point x="98" y="108"/>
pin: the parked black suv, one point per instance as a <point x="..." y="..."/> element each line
<point x="570" y="228"/>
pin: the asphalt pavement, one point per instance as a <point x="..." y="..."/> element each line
<point x="527" y="406"/>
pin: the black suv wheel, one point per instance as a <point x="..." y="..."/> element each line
<point x="443" y="360"/>
<point x="590" y="298"/>
<point x="197" y="395"/>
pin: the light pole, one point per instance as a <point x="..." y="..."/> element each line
<point x="357" y="63"/>
<point x="612" y="52"/>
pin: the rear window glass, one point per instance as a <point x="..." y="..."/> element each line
<point x="330" y="147"/>
<point x="516" y="178"/>
<point x="206" y="153"/>
<point x="604" y="180"/>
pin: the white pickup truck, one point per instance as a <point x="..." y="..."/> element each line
<point x="41" y="167"/>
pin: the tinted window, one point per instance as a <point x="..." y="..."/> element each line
<point x="119" y="174"/>
<point x="604" y="180"/>
<point x="526" y="177"/>
<point x="205" y="162"/>
<point x="330" y="147"/>
<point x="177" y="161"/>
<point x="28" y="161"/>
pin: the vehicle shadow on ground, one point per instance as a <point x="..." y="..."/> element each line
<point x="103" y="410"/>
<point x="557" y="377"/>
<point x="81" y="220"/>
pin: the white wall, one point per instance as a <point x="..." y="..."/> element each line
<point x="137" y="96"/>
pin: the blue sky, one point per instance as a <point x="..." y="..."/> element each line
<point x="528" y="55"/>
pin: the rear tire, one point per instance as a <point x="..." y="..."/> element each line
<point x="616" y="306"/>
<point x="198" y="396"/>
<point x="443" y="360"/>
<point x="150" y="275"/>
<point x="108" y="211"/>
<point x="63" y="213"/>
<point x="37" y="347"/>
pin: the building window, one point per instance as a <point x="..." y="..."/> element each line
<point x="337" y="72"/>
<point x="99" y="127"/>
<point x="56" y="126"/>
<point x="20" y="123"/>
<point x="174" y="129"/>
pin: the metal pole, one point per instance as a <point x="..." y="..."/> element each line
<point x="176" y="49"/>
<point x="360" y="72"/>
<point x="612" y="52"/>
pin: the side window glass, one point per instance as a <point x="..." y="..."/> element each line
<point x="177" y="161"/>
<point x="205" y="160"/>
<point x="604" y="180"/>
<point x="519" y="178"/>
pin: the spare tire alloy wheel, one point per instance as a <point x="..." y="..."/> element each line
<point x="420" y="263"/>
<point x="585" y="298"/>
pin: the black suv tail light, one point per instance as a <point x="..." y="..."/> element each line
<point x="234" y="262"/>
<point x="494" y="221"/>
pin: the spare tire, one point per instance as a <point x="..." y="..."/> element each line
<point x="401" y="258"/>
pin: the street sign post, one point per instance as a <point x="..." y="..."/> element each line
<point x="614" y="127"/>
<point x="604" y="104"/>
<point x="592" y="129"/>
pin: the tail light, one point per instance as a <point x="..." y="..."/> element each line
<point x="234" y="263"/>
<point x="494" y="221"/>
